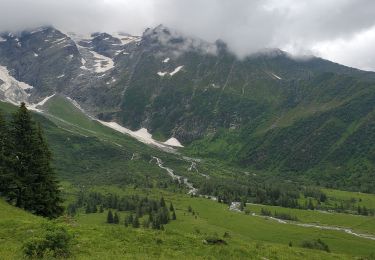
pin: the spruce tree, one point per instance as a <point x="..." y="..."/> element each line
<point x="36" y="188"/>
<point x="129" y="220"/>
<point x="116" y="219"/>
<point x="110" y="217"/>
<point x="171" y="208"/>
<point x="162" y="202"/>
<point x="174" y="215"/>
<point x="6" y="176"/>
<point x="135" y="223"/>
<point x="88" y="209"/>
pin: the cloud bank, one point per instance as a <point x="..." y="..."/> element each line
<point x="340" y="30"/>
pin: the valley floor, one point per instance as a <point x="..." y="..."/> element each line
<point x="247" y="236"/>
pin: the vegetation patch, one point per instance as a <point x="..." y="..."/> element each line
<point x="315" y="244"/>
<point x="53" y="241"/>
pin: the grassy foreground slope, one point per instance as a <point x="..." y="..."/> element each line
<point x="96" y="240"/>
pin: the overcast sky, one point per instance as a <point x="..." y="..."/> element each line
<point x="339" y="30"/>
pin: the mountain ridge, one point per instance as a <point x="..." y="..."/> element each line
<point x="269" y="111"/>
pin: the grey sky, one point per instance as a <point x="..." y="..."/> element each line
<point x="339" y="30"/>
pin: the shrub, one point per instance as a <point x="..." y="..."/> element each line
<point x="285" y="216"/>
<point x="214" y="240"/>
<point x="265" y="212"/>
<point x="316" y="244"/>
<point x="54" y="241"/>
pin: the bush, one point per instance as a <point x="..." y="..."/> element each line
<point x="316" y="244"/>
<point x="265" y="212"/>
<point x="214" y="240"/>
<point x="285" y="216"/>
<point x="54" y="241"/>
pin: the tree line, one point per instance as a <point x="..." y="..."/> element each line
<point x="143" y="211"/>
<point x="27" y="179"/>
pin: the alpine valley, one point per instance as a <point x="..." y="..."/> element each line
<point x="271" y="156"/>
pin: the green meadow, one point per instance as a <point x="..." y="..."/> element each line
<point x="90" y="157"/>
<point x="248" y="236"/>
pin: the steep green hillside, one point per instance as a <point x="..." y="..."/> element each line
<point x="91" y="157"/>
<point x="84" y="155"/>
<point x="305" y="118"/>
<point x="248" y="236"/>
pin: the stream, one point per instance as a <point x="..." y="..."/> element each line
<point x="194" y="191"/>
<point x="189" y="185"/>
<point x="346" y="230"/>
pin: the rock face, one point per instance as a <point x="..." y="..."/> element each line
<point x="269" y="110"/>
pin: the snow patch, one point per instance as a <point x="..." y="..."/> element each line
<point x="162" y="74"/>
<point x="166" y="60"/>
<point x="103" y="63"/>
<point x="126" y="39"/>
<point x="34" y="107"/>
<point x="273" y="75"/>
<point x="2" y="39"/>
<point x="14" y="91"/>
<point x="41" y="103"/>
<point x="35" y="54"/>
<point x="38" y="30"/>
<point x="60" y="76"/>
<point x="173" y="142"/>
<point x="141" y="135"/>
<point x="18" y="42"/>
<point x="176" y="70"/>
<point x="58" y="41"/>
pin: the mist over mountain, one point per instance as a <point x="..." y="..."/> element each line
<point x="187" y="129"/>
<point x="342" y="31"/>
<point x="246" y="110"/>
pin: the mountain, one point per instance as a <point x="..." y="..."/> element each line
<point x="305" y="118"/>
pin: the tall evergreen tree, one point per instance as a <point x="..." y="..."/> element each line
<point x="135" y="223"/>
<point x="6" y="176"/>
<point x="116" y="219"/>
<point x="88" y="209"/>
<point x="36" y="188"/>
<point x="110" y="217"/>
<point x="162" y="202"/>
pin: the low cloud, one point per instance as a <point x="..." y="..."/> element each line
<point x="341" y="30"/>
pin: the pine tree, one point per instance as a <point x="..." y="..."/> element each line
<point x="88" y="209"/>
<point x="174" y="215"/>
<point x="6" y="176"/>
<point x="116" y="219"/>
<point x="110" y="217"/>
<point x="129" y="220"/>
<point x="146" y="223"/>
<point x="135" y="223"/>
<point x="171" y="208"/>
<point x="162" y="202"/>
<point x="36" y="188"/>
